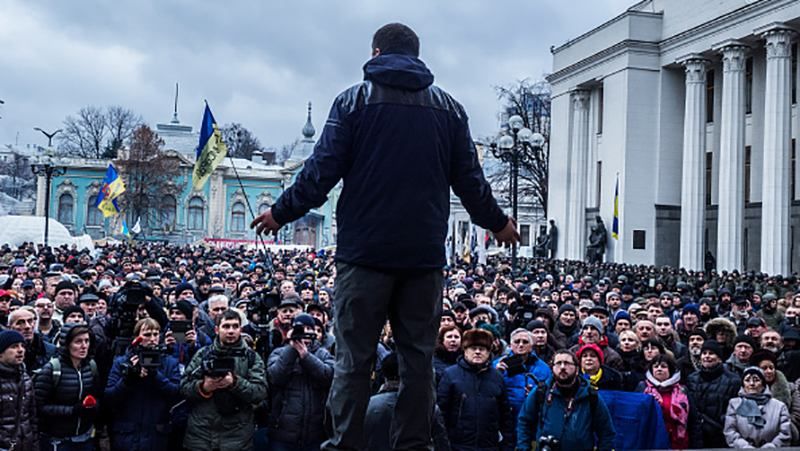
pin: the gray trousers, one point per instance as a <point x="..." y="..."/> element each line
<point x="364" y="299"/>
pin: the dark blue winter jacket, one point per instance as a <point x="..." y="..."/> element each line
<point x="400" y="143"/>
<point x="535" y="370"/>
<point x="580" y="429"/>
<point x="141" y="406"/>
<point x="474" y="404"/>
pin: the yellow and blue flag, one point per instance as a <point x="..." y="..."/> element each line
<point x="210" y="152"/>
<point x="112" y="187"/>
<point x="615" y="223"/>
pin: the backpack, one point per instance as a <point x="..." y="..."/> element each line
<point x="55" y="363"/>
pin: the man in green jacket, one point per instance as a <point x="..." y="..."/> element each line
<point x="223" y="382"/>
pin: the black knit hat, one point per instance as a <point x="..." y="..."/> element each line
<point x="66" y="285"/>
<point x="73" y="309"/>
<point x="184" y="307"/>
<point x="742" y="338"/>
<point x="8" y="338"/>
<point x="713" y="346"/>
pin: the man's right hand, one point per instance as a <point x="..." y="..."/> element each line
<point x="210" y="384"/>
<point x="509" y="233"/>
<point x="265" y="223"/>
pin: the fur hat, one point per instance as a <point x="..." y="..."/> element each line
<point x="477" y="337"/>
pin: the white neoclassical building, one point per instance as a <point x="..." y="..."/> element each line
<point x="692" y="106"/>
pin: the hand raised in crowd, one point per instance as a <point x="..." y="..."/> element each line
<point x="298" y="345"/>
<point x="501" y="366"/>
<point x="265" y="223"/>
<point x="191" y="336"/>
<point x="509" y="234"/>
<point x="169" y="339"/>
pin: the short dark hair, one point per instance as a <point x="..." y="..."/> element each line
<point x="229" y="315"/>
<point x="396" y="38"/>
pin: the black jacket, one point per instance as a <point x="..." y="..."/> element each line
<point x="709" y="393"/>
<point x="475" y="407"/>
<point x="17" y="407"/>
<point x="56" y="404"/>
<point x="299" y="388"/>
<point x="378" y="421"/>
<point x="400" y="143"/>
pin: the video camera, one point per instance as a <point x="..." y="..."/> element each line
<point x="299" y="333"/>
<point x="150" y="358"/>
<point x="125" y="304"/>
<point x="259" y="307"/>
<point x="217" y="365"/>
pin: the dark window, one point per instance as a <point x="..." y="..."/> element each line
<point x="237" y="217"/>
<point x="748" y="86"/>
<point x="195" y="220"/>
<point x="168" y="208"/>
<point x="794" y="73"/>
<point x="747" y="162"/>
<point x="709" y="162"/>
<point x="638" y="239"/>
<point x="710" y="96"/>
<point x="600" y="110"/>
<point x="65" y="208"/>
<point x="93" y="215"/>
<point x="525" y="235"/>
<point x="599" y="182"/>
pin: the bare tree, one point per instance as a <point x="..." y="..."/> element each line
<point x="240" y="141"/>
<point x="152" y="178"/>
<point x="531" y="101"/>
<point x="121" y="123"/>
<point x="84" y="134"/>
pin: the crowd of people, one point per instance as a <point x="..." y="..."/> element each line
<point x="163" y="347"/>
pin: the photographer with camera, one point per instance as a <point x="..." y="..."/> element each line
<point x="224" y="382"/>
<point x="565" y="412"/>
<point x="182" y="338"/>
<point x="141" y="388"/>
<point x="521" y="370"/>
<point x="300" y="374"/>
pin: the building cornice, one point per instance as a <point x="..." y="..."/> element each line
<point x="605" y="25"/>
<point x="628" y="45"/>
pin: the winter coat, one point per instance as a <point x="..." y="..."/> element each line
<point x="140" y="406"/>
<point x="776" y="433"/>
<point x="378" y="421"/>
<point x="709" y="393"/>
<point x="225" y="419"/>
<point x="55" y="404"/>
<point x="583" y="429"/>
<point x="611" y="379"/>
<point x="443" y="360"/>
<point x="787" y="393"/>
<point x="474" y="404"/>
<point x="518" y="385"/>
<point x="394" y="116"/>
<point x="299" y="388"/>
<point x="17" y="406"/>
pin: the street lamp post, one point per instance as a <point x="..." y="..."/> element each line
<point x="510" y="148"/>
<point x="49" y="136"/>
<point x="45" y="167"/>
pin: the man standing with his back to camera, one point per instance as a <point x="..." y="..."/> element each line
<point x="400" y="143"/>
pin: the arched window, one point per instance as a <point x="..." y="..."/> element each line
<point x="237" y="217"/>
<point x="195" y="219"/>
<point x="263" y="208"/>
<point x="94" y="217"/>
<point x="65" y="208"/>
<point x="168" y="207"/>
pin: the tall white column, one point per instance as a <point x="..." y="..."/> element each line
<point x="731" y="157"/>
<point x="578" y="156"/>
<point x="693" y="174"/>
<point x="777" y="147"/>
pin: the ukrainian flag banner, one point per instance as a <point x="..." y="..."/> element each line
<point x="112" y="187"/>
<point x="210" y="151"/>
<point x="615" y="224"/>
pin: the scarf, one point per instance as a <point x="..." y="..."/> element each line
<point x="602" y="343"/>
<point x="593" y="380"/>
<point x="678" y="411"/>
<point x="750" y="408"/>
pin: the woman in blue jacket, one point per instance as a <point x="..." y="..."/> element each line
<point x="473" y="400"/>
<point x="141" y="393"/>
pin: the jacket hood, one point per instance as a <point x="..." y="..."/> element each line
<point x="721" y="324"/>
<point x="398" y="71"/>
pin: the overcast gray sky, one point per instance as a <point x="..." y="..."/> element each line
<point x="258" y="62"/>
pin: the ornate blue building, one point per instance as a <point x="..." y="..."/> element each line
<point x="217" y="213"/>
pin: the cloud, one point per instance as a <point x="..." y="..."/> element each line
<point x="258" y="62"/>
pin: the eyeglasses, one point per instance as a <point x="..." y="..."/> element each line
<point x="521" y="342"/>
<point x="564" y="363"/>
